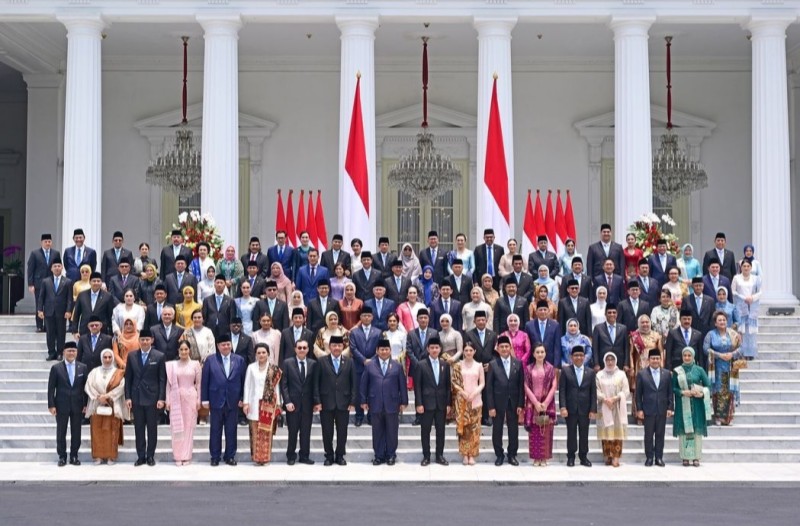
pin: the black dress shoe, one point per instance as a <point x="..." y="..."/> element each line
<point x="391" y="461"/>
<point x="499" y="461"/>
<point x="151" y="462"/>
<point x="139" y="462"/>
<point x="359" y="421"/>
<point x="328" y="462"/>
<point x="660" y="463"/>
<point x="231" y="462"/>
<point x="242" y="421"/>
<point x="74" y="461"/>
<point x="648" y="462"/>
<point x="570" y="462"/>
<point x="214" y="463"/>
<point x="585" y="462"/>
<point x="486" y="422"/>
<point x="425" y="462"/>
<point x="377" y="461"/>
<point x="513" y="460"/>
<point x="442" y="461"/>
<point x="341" y="461"/>
<point x="417" y="421"/>
<point x="306" y="461"/>
<point x="62" y="462"/>
<point x="290" y="461"/>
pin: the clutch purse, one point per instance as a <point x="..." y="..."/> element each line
<point x="697" y="389"/>
<point x="104" y="410"/>
<point x="738" y="364"/>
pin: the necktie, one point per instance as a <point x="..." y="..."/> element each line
<point x="575" y="305"/>
<point x="398" y="281"/>
<point x="656" y="376"/>
<point x="226" y="361"/>
<point x="579" y="375"/>
<point x="612" y="332"/>
<point x="511" y="302"/>
<point x="422" y="337"/>
<point x="144" y="357"/>
<point x="71" y="371"/>
<point x="94" y="341"/>
<point x="336" y="365"/>
<point x="313" y="272"/>
<point x="482" y="336"/>
<point x="176" y="250"/>
<point x="605" y="249"/>
<point x="47" y="257"/>
<point x="302" y="370"/>
<point x="383" y="256"/>
<point x="686" y="335"/>
<point x="435" y="366"/>
<point x="323" y="302"/>
<point x="635" y="305"/>
<point x="379" y="307"/>
<point x="645" y="284"/>
<point x="158" y="310"/>
<point x="507" y="367"/>
<point x="94" y="299"/>
<point x="252" y="282"/>
<point x="608" y="281"/>
<point x="716" y="282"/>
<point x="219" y="303"/>
<point x="168" y="330"/>
<point x="78" y="257"/>
<point x="55" y="282"/>
<point x="383" y="367"/>
<point x="489" y="261"/>
<point x="252" y="257"/>
<point x="542" y="328"/>
<point x="698" y="300"/>
<point x="280" y="252"/>
<point x="116" y="252"/>
<point x="180" y="280"/>
<point x="433" y="256"/>
<point x="124" y="280"/>
<point x="446" y="307"/>
<point x="297" y="334"/>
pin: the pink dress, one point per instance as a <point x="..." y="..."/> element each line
<point x="521" y="345"/>
<point x="183" y="395"/>
<point x="471" y="376"/>
<point x="542" y="383"/>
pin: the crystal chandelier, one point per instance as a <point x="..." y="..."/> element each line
<point x="425" y="173"/>
<point x="178" y="170"/>
<point x="674" y="174"/>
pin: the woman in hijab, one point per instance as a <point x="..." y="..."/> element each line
<point x="612" y="416"/>
<point x="332" y="328"/>
<point x="598" y="308"/>
<point x="83" y="283"/>
<point x="268" y="335"/>
<point x="544" y="280"/>
<point x="296" y="302"/>
<point x="125" y="342"/>
<point x="350" y="307"/>
<point x="183" y="402"/>
<point x="691" y="387"/>
<point x="688" y="266"/>
<point x="106" y="410"/>
<point x="147" y="284"/>
<point x="230" y="267"/>
<point x="542" y="294"/>
<point x="724" y="305"/>
<point x="428" y="289"/>
<point x="184" y="311"/>
<point x="205" y="287"/>
<point x="451" y="340"/>
<point x="285" y="285"/>
<point x="749" y="255"/>
<point x="411" y="266"/>
<point x="490" y="295"/>
<point x="520" y="342"/>
<point x="572" y="338"/>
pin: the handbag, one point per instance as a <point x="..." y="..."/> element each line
<point x="104" y="410"/>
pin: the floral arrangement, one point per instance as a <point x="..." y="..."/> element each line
<point x="12" y="260"/>
<point x="197" y="228"/>
<point x="647" y="230"/>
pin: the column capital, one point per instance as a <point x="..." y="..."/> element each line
<point x="631" y="25"/>
<point x="772" y="24"/>
<point x="43" y="80"/>
<point x="220" y="24"/>
<point x="358" y="25"/>
<point x="494" y="26"/>
<point x="84" y="24"/>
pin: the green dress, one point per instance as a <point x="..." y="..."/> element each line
<point x="690" y="443"/>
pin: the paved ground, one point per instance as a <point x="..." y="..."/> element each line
<point x="400" y="504"/>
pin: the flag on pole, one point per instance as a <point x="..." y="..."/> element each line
<point x="280" y="215"/>
<point x="569" y="220"/>
<point x="291" y="233"/>
<point x="301" y="215"/>
<point x="528" y="229"/>
<point x="322" y="231"/>
<point x="561" y="226"/>
<point x="311" y="222"/>
<point x="550" y="221"/>
<point x="538" y="218"/>
<point x="354" y="205"/>
<point x="496" y="210"/>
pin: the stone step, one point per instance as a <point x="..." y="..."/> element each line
<point x="771" y="362"/>
<point x="24" y="335"/>
<point x="772" y="385"/>
<point x="769" y="374"/>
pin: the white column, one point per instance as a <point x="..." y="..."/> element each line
<point x="771" y="189"/>
<point x="83" y="145"/>
<point x="494" y="56"/>
<point x="358" y="55"/>
<point x="220" y="184"/>
<point x="633" y="157"/>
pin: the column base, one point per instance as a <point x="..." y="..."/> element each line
<point x="778" y="299"/>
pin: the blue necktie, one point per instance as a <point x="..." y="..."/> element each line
<point x="47" y="257"/>
<point x="383" y="368"/>
<point x="422" y="337"/>
<point x="336" y="365"/>
<point x="226" y="362"/>
<point x="94" y="299"/>
<point x="507" y="367"/>
<point x="219" y="302"/>
<point x="55" y="283"/>
<point x="435" y="366"/>
<point x="686" y="335"/>
<point x="542" y="328"/>
<point x="611" y="332"/>
<point x="656" y="377"/>
<point x="280" y="252"/>
<point x="144" y="357"/>
<point x="482" y="336"/>
<point x="94" y="341"/>
<point x="489" y="261"/>
<point x="78" y="256"/>
<point x="71" y="371"/>
<point x="180" y="280"/>
<point x="579" y="375"/>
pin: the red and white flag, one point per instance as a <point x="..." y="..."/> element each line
<point x="550" y="221"/>
<point x="538" y="220"/>
<point x="354" y="216"/>
<point x="280" y="214"/>
<point x="311" y="222"/>
<point x="569" y="220"/>
<point x="291" y="233"/>
<point x="300" y="227"/>
<point x="495" y="199"/>
<point x="561" y="226"/>
<point x="528" y="229"/>
<point x="322" y="231"/>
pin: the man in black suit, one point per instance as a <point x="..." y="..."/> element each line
<point x="319" y="307"/>
<point x="152" y="315"/>
<point x="381" y="306"/>
<point x="123" y="280"/>
<point x="574" y="306"/>
<point x="545" y="331"/>
<point x="179" y="279"/>
<point x="166" y="335"/>
<point x="510" y="303"/>
<point x="715" y="279"/>
<point x="112" y="257"/>
<point x="270" y="304"/>
<point x="432" y="400"/>
<point x="366" y="277"/>
<point x="294" y="333"/>
<point x="39" y="268"/>
<point x="661" y="262"/>
<point x="524" y="280"/>
<point x="611" y="280"/>
<point x="701" y="305"/>
<point x="171" y="252"/>
<point x="602" y="250"/>
<point x="727" y="260"/>
<point x="145" y="392"/>
<point x="92" y="302"/>
<point x="363" y="346"/>
<point x="445" y="304"/>
<point x="650" y="289"/>
<point x="300" y="396"/>
<point x="219" y="308"/>
<point x="684" y="336"/>
<point x="460" y="282"/>
<point x="629" y="309"/>
<point x="66" y="400"/>
<point x="417" y="340"/>
<point x="257" y="283"/>
<point x="577" y="398"/>
<point x="584" y="281"/>
<point x="383" y="259"/>
<point x="487" y="258"/>
<point x="505" y="395"/>
<point x="337" y="386"/>
<point x="543" y="257"/>
<point x="654" y="399"/>
<point x="435" y="257"/>
<point x="335" y="255"/>
<point x="610" y="337"/>
<point x="396" y="284"/>
<point x="484" y="340"/>
<point x="254" y="255"/>
<point x="78" y="255"/>
<point x="54" y="306"/>
<point x="241" y="343"/>
<point x="92" y="344"/>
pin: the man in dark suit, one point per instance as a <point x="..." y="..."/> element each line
<point x="145" y="392"/>
<point x="219" y="308"/>
<point x="684" y="336"/>
<point x="152" y="315"/>
<point x="654" y="399"/>
<point x="611" y="280"/>
<point x="363" y="346"/>
<point x="166" y="335"/>
<point x="417" y="340"/>
<point x="543" y="257"/>
<point x="366" y="277"/>
<point x="525" y="285"/>
<point x="66" y="400"/>
<point x="445" y="304"/>
<point x="396" y="284"/>
<point x="319" y="307"/>
<point x="650" y="289"/>
<point x="253" y="277"/>
<point x="702" y="306"/>
<point x="254" y="255"/>
<point x="629" y="309"/>
<point x="547" y="332"/>
<point x="505" y="395"/>
<point x="300" y="395"/>
<point x="584" y="281"/>
<point x="714" y="280"/>
<point x="39" y="268"/>
<point x="435" y="257"/>
<point x="381" y="306"/>
<point x="92" y="344"/>
<point x="221" y="392"/>
<point x="460" y="282"/>
<point x="335" y="255"/>
<point x="382" y="260"/>
<point x="78" y="255"/>
<point x="432" y="399"/>
<point x="241" y="343"/>
<point x="510" y="303"/>
<point x="282" y="253"/>
<point x="112" y="257"/>
<point x="727" y="261"/>
<point x="484" y="340"/>
<point x="294" y="333"/>
<point x="385" y="396"/>
<point x="277" y="309"/>
<point x="308" y="276"/>
<point x="54" y="306"/>
<point x="660" y="262"/>
<point x="123" y="280"/>
<point x="577" y="398"/>
<point x="487" y="258"/>
<point x="171" y="252"/>
<point x="92" y="302"/>
<point x="179" y="279"/>
<point x="610" y="337"/>
<point x="338" y="395"/>
<point x="602" y="250"/>
<point x="574" y="306"/>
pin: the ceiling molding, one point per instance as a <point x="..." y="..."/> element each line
<point x="28" y="50"/>
<point x="684" y="124"/>
<point x="164" y="124"/>
<point x="444" y="117"/>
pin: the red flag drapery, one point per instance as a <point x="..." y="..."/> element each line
<point x="569" y="219"/>
<point x="561" y="225"/>
<point x="495" y="175"/>
<point x="300" y="227"/>
<point x="322" y="231"/>
<point x="280" y="215"/>
<point x="550" y="220"/>
<point x="355" y="162"/>
<point x="311" y="222"/>
<point x="291" y="233"/>
<point x="538" y="218"/>
<point x="528" y="229"/>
